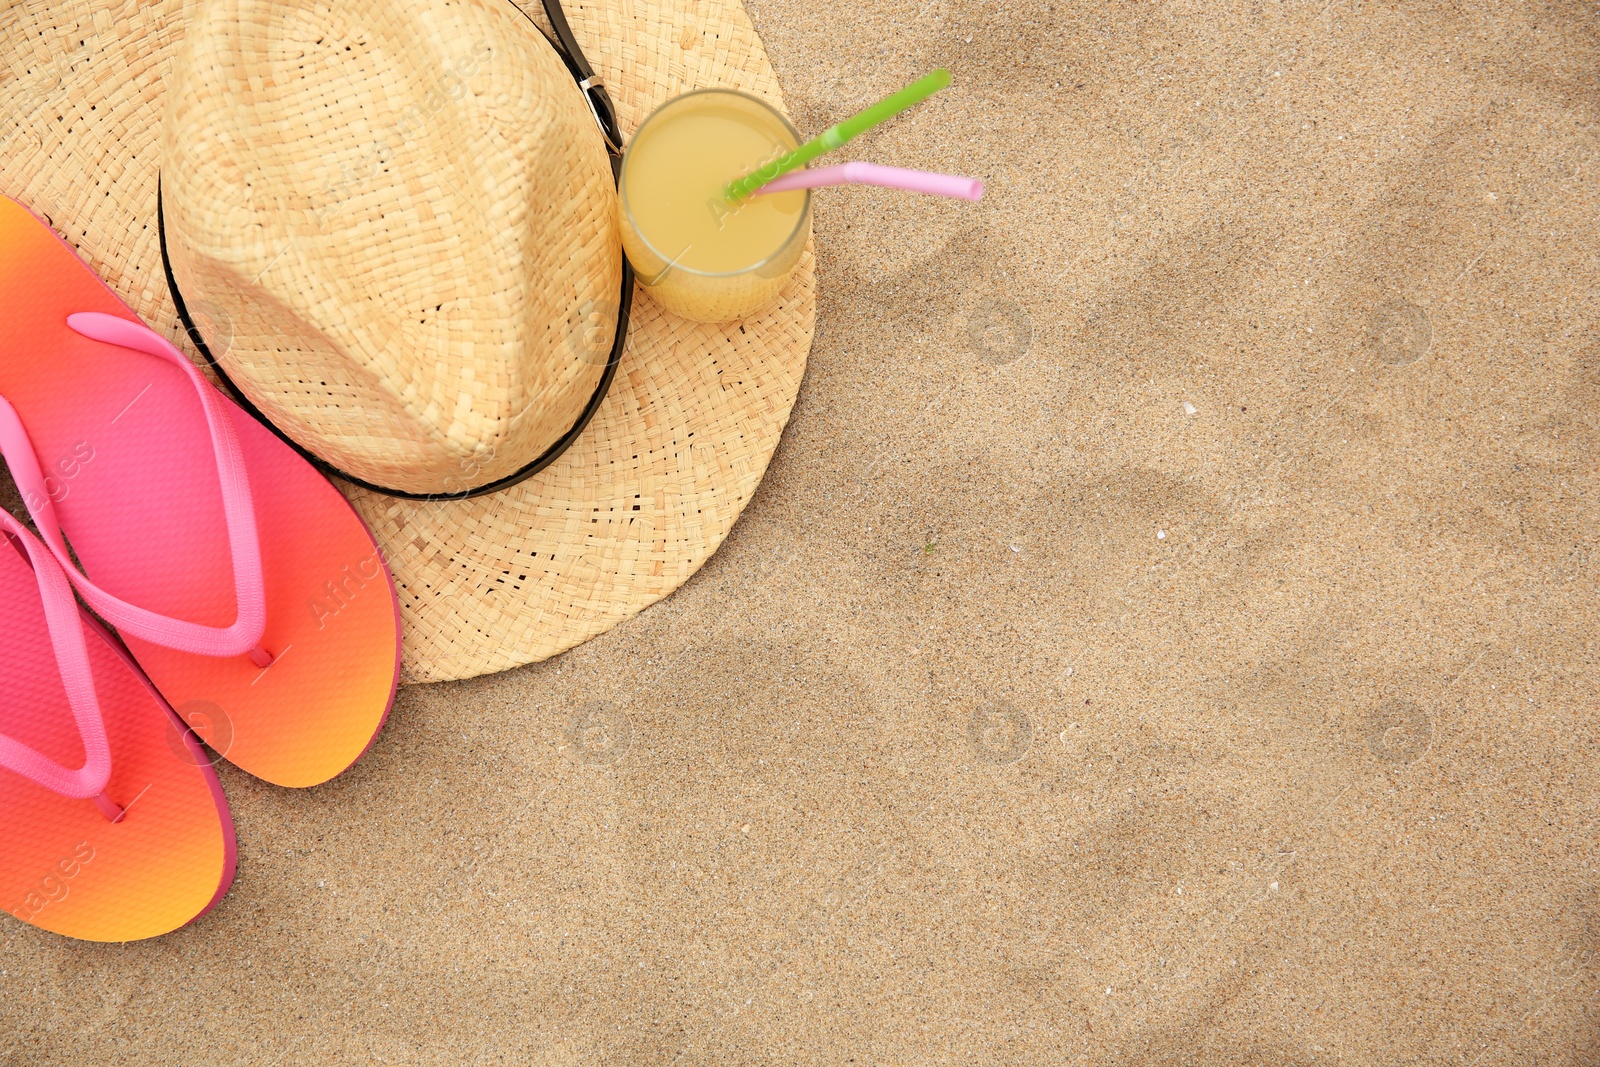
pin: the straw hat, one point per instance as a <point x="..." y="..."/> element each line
<point x="488" y="213"/>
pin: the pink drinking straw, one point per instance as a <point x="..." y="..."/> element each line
<point x="916" y="181"/>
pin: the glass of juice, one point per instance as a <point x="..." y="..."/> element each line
<point x="699" y="255"/>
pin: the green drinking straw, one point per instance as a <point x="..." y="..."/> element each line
<point x="834" y="136"/>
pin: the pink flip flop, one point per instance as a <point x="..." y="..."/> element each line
<point x="240" y="579"/>
<point x="137" y="840"/>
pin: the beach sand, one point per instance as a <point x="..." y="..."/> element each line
<point x="1166" y="633"/>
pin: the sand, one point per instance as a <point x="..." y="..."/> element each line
<point x="1166" y="633"/>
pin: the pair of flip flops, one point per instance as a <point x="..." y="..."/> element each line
<point x="253" y="607"/>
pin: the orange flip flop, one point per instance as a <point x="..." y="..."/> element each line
<point x="137" y="840"/>
<point x="243" y="583"/>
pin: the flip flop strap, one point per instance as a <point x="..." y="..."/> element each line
<point x="72" y="659"/>
<point x="238" y="509"/>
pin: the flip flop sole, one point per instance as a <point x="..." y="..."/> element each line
<point x="132" y="474"/>
<point x="64" y="866"/>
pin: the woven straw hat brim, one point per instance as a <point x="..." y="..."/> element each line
<point x="655" y="482"/>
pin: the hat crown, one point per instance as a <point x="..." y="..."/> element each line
<point x="396" y="225"/>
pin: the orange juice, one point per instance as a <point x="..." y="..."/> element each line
<point x="700" y="256"/>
